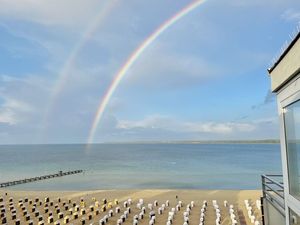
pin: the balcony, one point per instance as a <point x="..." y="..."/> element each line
<point x="273" y="200"/>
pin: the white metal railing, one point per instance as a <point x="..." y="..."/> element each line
<point x="273" y="191"/>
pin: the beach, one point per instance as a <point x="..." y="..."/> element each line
<point x="156" y="172"/>
<point x="60" y="199"/>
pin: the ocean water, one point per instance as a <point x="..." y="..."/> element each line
<point x="141" y="166"/>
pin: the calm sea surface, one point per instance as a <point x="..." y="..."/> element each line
<point x="124" y="166"/>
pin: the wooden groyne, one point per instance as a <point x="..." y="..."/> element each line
<point x="33" y="179"/>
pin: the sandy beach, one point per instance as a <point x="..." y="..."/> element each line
<point x="67" y="200"/>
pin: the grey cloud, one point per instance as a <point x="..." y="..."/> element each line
<point x="269" y="98"/>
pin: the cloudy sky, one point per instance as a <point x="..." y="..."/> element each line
<point x="204" y="78"/>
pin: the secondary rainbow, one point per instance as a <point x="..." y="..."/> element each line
<point x="69" y="63"/>
<point x="132" y="59"/>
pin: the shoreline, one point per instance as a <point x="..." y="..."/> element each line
<point x="37" y="191"/>
<point x="126" y="189"/>
<point x="135" y="194"/>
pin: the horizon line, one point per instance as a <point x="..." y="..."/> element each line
<point x="161" y="142"/>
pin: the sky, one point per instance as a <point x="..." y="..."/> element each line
<point x="203" y="78"/>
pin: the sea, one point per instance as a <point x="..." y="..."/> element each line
<point x="141" y="166"/>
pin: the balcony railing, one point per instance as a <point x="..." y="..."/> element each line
<point x="273" y="191"/>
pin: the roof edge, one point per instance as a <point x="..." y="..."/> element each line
<point x="284" y="53"/>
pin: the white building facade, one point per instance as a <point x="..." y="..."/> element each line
<point x="285" y="80"/>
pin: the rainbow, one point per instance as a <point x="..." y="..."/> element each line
<point x="132" y="59"/>
<point x="69" y="63"/>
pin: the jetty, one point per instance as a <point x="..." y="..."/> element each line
<point x="33" y="179"/>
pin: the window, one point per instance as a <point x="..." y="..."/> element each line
<point x="292" y="129"/>
<point x="294" y="218"/>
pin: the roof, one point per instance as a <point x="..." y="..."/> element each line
<point x="284" y="52"/>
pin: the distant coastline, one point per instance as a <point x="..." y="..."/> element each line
<point x="264" y="141"/>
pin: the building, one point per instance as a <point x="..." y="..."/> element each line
<point x="281" y="200"/>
